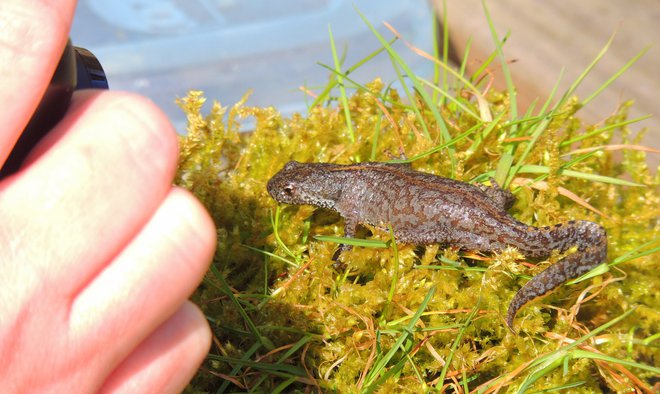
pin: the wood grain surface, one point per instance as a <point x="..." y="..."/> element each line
<point x="548" y="36"/>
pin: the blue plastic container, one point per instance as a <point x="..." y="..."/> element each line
<point x="164" y="48"/>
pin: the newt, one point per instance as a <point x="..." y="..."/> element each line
<point x="426" y="209"/>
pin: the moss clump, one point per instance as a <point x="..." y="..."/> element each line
<point x="284" y="318"/>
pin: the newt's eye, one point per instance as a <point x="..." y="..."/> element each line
<point x="288" y="190"/>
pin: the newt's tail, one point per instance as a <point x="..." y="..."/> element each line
<point x="591" y="241"/>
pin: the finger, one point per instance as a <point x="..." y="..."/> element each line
<point x="32" y="38"/>
<point x="108" y="167"/>
<point x="147" y="281"/>
<point x="167" y="360"/>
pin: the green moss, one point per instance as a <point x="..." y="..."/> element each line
<point x="285" y="319"/>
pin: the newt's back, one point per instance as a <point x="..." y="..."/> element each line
<point x="422" y="208"/>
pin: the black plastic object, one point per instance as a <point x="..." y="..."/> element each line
<point x="78" y="69"/>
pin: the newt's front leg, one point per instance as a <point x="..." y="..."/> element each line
<point x="350" y="228"/>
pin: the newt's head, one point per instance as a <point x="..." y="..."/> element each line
<point x="305" y="183"/>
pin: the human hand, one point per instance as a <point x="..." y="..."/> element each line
<point x="98" y="252"/>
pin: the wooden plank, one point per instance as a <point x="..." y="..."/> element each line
<point x="547" y="37"/>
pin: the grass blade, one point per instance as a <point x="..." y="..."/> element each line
<point x="376" y="375"/>
<point x="224" y="287"/>
<point x="342" y="97"/>
<point x="366" y="243"/>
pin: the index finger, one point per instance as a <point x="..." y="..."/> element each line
<point x="32" y="37"/>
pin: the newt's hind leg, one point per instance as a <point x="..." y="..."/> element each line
<point x="503" y="199"/>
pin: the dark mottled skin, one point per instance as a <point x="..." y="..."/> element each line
<point x="427" y="209"/>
